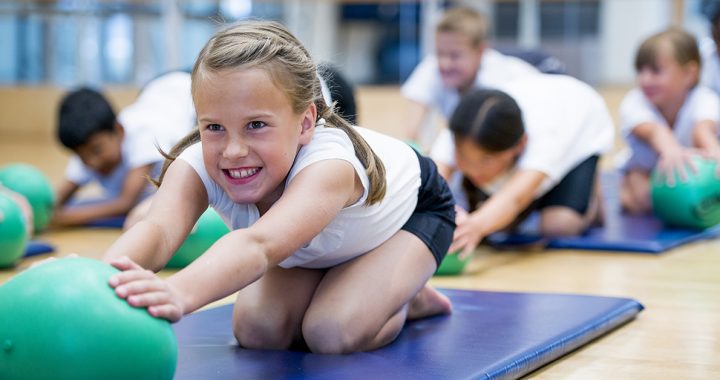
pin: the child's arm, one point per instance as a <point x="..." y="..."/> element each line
<point x="173" y="212"/>
<point x="705" y="137"/>
<point x="416" y="115"/>
<point x="133" y="187"/>
<point x="673" y="157"/>
<point x="308" y="204"/>
<point x="498" y="211"/>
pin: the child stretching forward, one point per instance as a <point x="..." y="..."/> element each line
<point x="330" y="247"/>
<point x="668" y="118"/>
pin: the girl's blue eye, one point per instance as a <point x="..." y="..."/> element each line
<point x="256" y="124"/>
<point x="214" y="127"/>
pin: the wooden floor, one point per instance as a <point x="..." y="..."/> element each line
<point x="676" y="337"/>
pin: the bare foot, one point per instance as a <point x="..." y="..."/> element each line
<point x="428" y="302"/>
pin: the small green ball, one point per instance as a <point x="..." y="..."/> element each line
<point x="452" y="264"/>
<point x="61" y="320"/>
<point x="209" y="228"/>
<point x="35" y="186"/>
<point x="13" y="234"/>
<point x="694" y="203"/>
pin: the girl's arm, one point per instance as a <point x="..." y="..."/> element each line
<point x="173" y="212"/>
<point x="310" y="202"/>
<point x="498" y="211"/>
<point x="705" y="137"/>
<point x="673" y="157"/>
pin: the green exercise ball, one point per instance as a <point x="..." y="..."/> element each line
<point x="61" y="320"/>
<point x="13" y="234"/>
<point x="694" y="203"/>
<point x="35" y="186"/>
<point x="208" y="229"/>
<point x="452" y="265"/>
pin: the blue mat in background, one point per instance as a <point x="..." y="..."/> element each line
<point x="37" y="247"/>
<point x="107" y="222"/>
<point x="490" y="335"/>
<point x="620" y="232"/>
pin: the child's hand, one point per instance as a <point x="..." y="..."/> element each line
<point x="467" y="234"/>
<point x="676" y="161"/>
<point x="143" y="288"/>
<point x="713" y="155"/>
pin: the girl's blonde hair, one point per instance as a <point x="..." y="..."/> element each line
<point x="682" y="47"/>
<point x="271" y="47"/>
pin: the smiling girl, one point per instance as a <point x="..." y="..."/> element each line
<point x="335" y="229"/>
<point x="668" y="117"/>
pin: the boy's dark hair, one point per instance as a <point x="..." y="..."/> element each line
<point x="83" y="112"/>
<point x="490" y="118"/>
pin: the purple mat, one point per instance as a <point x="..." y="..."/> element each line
<point x="490" y="335"/>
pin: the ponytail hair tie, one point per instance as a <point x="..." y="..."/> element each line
<point x="320" y="122"/>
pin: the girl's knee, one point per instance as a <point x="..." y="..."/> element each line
<point x="561" y="221"/>
<point x="257" y="330"/>
<point x="330" y="335"/>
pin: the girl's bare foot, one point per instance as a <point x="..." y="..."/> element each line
<point x="428" y="302"/>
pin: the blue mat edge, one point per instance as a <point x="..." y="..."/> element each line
<point x="531" y="361"/>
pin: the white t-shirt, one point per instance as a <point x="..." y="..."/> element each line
<point x="566" y="122"/>
<point x="162" y="114"/>
<point x="710" y="76"/>
<point x="700" y="104"/>
<point x="425" y="84"/>
<point x="357" y="229"/>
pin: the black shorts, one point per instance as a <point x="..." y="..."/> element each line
<point x="433" y="220"/>
<point x="573" y="191"/>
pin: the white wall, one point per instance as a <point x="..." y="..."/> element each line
<point x="623" y="26"/>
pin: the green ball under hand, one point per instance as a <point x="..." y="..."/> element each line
<point x="13" y="234"/>
<point x="208" y="229"/>
<point x="694" y="203"/>
<point x="61" y="320"/>
<point x="35" y="186"/>
<point x="452" y="265"/>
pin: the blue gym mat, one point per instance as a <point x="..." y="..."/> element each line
<point x="490" y="335"/>
<point x="108" y="222"/>
<point x="620" y="232"/>
<point x="37" y="247"/>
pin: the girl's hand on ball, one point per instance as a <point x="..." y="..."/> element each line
<point x="143" y="288"/>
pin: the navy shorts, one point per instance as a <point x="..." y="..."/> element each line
<point x="573" y="191"/>
<point x="433" y="220"/>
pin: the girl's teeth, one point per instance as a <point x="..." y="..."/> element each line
<point x="242" y="173"/>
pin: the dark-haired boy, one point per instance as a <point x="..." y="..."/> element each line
<point x="119" y="152"/>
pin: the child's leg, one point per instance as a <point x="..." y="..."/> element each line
<point x="569" y="208"/>
<point x="635" y="192"/>
<point x="363" y="304"/>
<point x="268" y="313"/>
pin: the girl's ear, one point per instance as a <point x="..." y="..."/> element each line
<point x="307" y="124"/>
<point x="520" y="147"/>
<point x="692" y="73"/>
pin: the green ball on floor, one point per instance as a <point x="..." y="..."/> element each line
<point x="452" y="265"/>
<point x="209" y="228"/>
<point x="33" y="185"/>
<point x="694" y="203"/>
<point x="13" y="231"/>
<point x="61" y="320"/>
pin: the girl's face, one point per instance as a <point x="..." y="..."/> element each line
<point x="667" y="82"/>
<point x="249" y="133"/>
<point x="458" y="60"/>
<point x="481" y="166"/>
